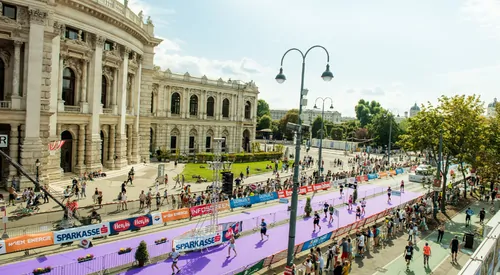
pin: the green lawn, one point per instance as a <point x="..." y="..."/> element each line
<point x="201" y="169"/>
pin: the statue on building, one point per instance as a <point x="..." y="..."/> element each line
<point x="149" y="21"/>
<point x="141" y="15"/>
<point x="80" y="35"/>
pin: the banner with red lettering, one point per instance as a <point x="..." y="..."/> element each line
<point x="201" y="210"/>
<point x="365" y="177"/>
<point x="285" y="193"/>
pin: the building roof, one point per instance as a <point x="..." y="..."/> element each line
<point x="493" y="104"/>
<point x="415" y="107"/>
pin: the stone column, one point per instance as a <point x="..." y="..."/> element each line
<point x="83" y="97"/>
<point x="129" y="144"/>
<point x="15" y="98"/>
<point x="111" y="149"/>
<point x="13" y="147"/>
<point x="114" y="107"/>
<point x="80" y="164"/>
<point x="60" y="101"/>
<point x="32" y="148"/>
<point x="121" y="139"/>
<point x="136" y="158"/>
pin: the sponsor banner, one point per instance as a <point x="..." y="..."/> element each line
<point x="173" y="215"/>
<point x="382" y="174"/>
<point x="358" y="179"/>
<point x="197" y="243"/>
<point x="29" y="241"/>
<point x="316" y="241"/>
<point x="399" y="171"/>
<point x="239" y="202"/>
<point x="232" y="229"/>
<point x="285" y="193"/>
<point x="201" y="210"/>
<point x="303" y="190"/>
<point x="364" y="178"/>
<point x="283" y="201"/>
<point x="263" y="197"/>
<point x="252" y="269"/>
<point x="351" y="180"/>
<point x="81" y="233"/>
<point x="321" y="186"/>
<point x="130" y="224"/>
<point x="156" y="217"/>
<point x="372" y="176"/>
<point x="2" y="247"/>
<point x="392" y="172"/>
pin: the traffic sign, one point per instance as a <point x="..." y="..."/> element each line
<point x="4" y="141"/>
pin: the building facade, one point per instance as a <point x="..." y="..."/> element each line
<point x="491" y="111"/>
<point x="414" y="110"/>
<point x="82" y="71"/>
<point x="309" y="115"/>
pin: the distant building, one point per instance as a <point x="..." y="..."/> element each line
<point x="309" y="115"/>
<point x="347" y="119"/>
<point x="414" y="110"/>
<point x="490" y="111"/>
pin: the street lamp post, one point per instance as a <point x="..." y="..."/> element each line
<point x="280" y="78"/>
<point x="390" y="116"/>
<point x="438" y="182"/>
<point x="37" y="164"/>
<point x="320" y="164"/>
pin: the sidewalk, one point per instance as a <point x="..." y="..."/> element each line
<point x="438" y="262"/>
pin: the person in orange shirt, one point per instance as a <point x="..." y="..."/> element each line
<point x="427" y="254"/>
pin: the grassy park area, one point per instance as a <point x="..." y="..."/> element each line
<point x="202" y="169"/>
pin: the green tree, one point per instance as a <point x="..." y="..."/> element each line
<point x="366" y="110"/>
<point x="316" y="127"/>
<point x="337" y="133"/>
<point x="262" y="108"/>
<point x="275" y="127"/>
<point x="265" y="122"/>
<point x="380" y="127"/>
<point x="487" y="159"/>
<point x="291" y="116"/>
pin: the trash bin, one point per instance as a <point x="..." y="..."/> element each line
<point x="469" y="240"/>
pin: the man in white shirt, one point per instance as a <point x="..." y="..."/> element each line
<point x="361" y="244"/>
<point x="175" y="257"/>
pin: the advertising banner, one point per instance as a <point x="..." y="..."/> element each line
<point x="156" y="218"/>
<point x="316" y="241"/>
<point x="231" y="229"/>
<point x="399" y="171"/>
<point x="252" y="269"/>
<point x="309" y="188"/>
<point x="285" y="193"/>
<point x="263" y="197"/>
<point x="239" y="202"/>
<point x="173" y="215"/>
<point x="351" y="180"/>
<point x="382" y="174"/>
<point x="130" y="224"/>
<point x="2" y="247"/>
<point x="197" y="243"/>
<point x="372" y="176"/>
<point x="392" y="172"/>
<point x="201" y="210"/>
<point x="29" y="241"/>
<point x="364" y="178"/>
<point x="302" y="190"/>
<point x="80" y="233"/>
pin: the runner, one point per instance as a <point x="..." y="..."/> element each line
<point x="427" y="254"/>
<point x="454" y="245"/>
<point x="402" y="186"/>
<point x="341" y="190"/>
<point x="175" y="257"/>
<point x="389" y="191"/>
<point x="363" y="205"/>
<point x="231" y="246"/>
<point x="350" y="203"/>
<point x="358" y="213"/>
<point x="263" y="230"/>
<point x="330" y="209"/>
<point x="325" y="208"/>
<point x="316" y="221"/>
<point x="408" y="253"/>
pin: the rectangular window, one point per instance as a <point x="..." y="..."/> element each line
<point x="191" y="145"/>
<point x="108" y="46"/>
<point x="9" y="11"/>
<point x="224" y="144"/>
<point x="208" y="144"/>
<point x="72" y="34"/>
<point x="173" y="144"/>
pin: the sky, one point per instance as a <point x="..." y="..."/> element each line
<point x="395" y="52"/>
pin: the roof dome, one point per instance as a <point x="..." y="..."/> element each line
<point x="493" y="104"/>
<point x="415" y="107"/>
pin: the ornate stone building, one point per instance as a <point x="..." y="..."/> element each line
<point x="82" y="71"/>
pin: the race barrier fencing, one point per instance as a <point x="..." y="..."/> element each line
<point x="32" y="241"/>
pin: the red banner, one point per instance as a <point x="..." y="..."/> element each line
<point x="200" y="210"/>
<point x="358" y="179"/>
<point x="365" y="177"/>
<point x="309" y="188"/>
<point x="303" y="190"/>
<point x="285" y="193"/>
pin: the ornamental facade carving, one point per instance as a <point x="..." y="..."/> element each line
<point x="37" y="16"/>
<point x="5" y="56"/>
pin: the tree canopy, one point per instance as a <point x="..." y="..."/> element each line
<point x="262" y="108"/>
<point x="366" y="110"/>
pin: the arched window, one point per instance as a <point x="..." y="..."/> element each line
<point x="175" y="104"/>
<point x="225" y="108"/>
<point x="68" y="91"/>
<point x="210" y="106"/>
<point x="104" y="91"/>
<point x="2" y="80"/>
<point x="248" y="108"/>
<point x="193" y="105"/>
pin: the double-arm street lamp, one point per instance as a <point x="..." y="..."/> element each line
<point x="320" y="164"/>
<point x="280" y="78"/>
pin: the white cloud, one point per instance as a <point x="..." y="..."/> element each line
<point x="485" y="12"/>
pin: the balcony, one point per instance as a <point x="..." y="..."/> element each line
<point x="5" y="105"/>
<point x="72" y="109"/>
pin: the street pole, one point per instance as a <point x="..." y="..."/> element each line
<point x="320" y="155"/>
<point x="390" y="141"/>
<point x="280" y="78"/>
<point x="436" y="189"/>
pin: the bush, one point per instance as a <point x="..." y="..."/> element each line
<point x="241" y="157"/>
<point x="308" y="208"/>
<point x="142" y="254"/>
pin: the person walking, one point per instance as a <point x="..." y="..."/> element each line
<point x="231" y="246"/>
<point x="454" y="246"/>
<point x="349" y="207"/>
<point x="363" y="205"/>
<point x="427" y="254"/>
<point x="358" y="213"/>
<point x="482" y="214"/>
<point x="402" y="186"/>
<point x="389" y="192"/>
<point x="408" y="254"/>
<point x="441" y="228"/>
<point x="468" y="214"/>
<point x="316" y="221"/>
<point x="263" y="230"/>
<point x="325" y="208"/>
<point x="175" y="258"/>
<point x="330" y="209"/>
